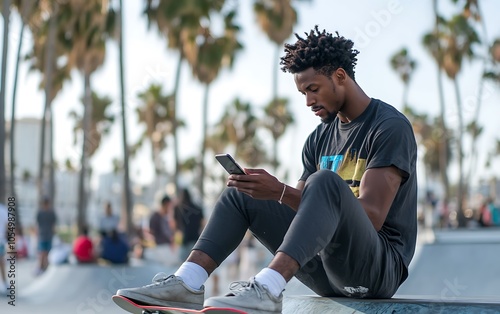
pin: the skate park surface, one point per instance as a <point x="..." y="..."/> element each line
<point x="453" y="271"/>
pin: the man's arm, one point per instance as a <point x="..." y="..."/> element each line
<point x="259" y="184"/>
<point x="377" y="191"/>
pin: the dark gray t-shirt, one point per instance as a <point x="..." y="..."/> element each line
<point x="380" y="137"/>
<point x="46" y="220"/>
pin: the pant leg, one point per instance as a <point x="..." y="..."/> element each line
<point x="233" y="214"/>
<point x="333" y="239"/>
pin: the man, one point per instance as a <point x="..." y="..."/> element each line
<point x="46" y="220"/>
<point x="109" y="221"/>
<point x="161" y="222"/>
<point x="162" y="227"/>
<point x="348" y="228"/>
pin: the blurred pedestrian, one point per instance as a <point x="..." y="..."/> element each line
<point x="162" y="227"/>
<point x="109" y="221"/>
<point x="494" y="211"/>
<point x="190" y="222"/>
<point x="46" y="222"/>
<point x="114" y="248"/>
<point x="83" y="247"/>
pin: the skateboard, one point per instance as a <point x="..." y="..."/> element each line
<point x="132" y="307"/>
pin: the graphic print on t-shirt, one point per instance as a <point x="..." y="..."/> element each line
<point x="349" y="167"/>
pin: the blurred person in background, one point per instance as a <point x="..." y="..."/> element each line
<point x="83" y="247"/>
<point x="46" y="224"/>
<point x="190" y="221"/>
<point x="109" y="221"/>
<point x="114" y="248"/>
<point x="162" y="228"/>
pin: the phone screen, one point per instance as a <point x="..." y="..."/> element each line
<point x="228" y="162"/>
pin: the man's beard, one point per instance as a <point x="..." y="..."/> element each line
<point x="330" y="118"/>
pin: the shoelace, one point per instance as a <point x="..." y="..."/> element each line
<point x="161" y="278"/>
<point x="238" y="287"/>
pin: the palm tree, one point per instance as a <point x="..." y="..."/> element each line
<point x="472" y="11"/>
<point x="127" y="193"/>
<point x="404" y="66"/>
<point x="459" y="39"/>
<point x="3" y="74"/>
<point x="237" y="129"/>
<point x="432" y="42"/>
<point x="213" y="53"/>
<point x="179" y="22"/>
<point x="277" y="19"/>
<point x="87" y="26"/>
<point x="277" y="119"/>
<point x="154" y="112"/>
<point x="493" y="73"/>
<point x="425" y="130"/>
<point x="25" y="9"/>
<point x="100" y="125"/>
<point x="44" y="58"/>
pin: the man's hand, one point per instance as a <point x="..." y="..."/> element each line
<point x="257" y="183"/>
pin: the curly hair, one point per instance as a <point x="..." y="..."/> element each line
<point x="322" y="51"/>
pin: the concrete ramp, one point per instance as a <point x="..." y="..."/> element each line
<point x="456" y="272"/>
<point x="456" y="265"/>
<point x="82" y="289"/>
<point x="311" y="304"/>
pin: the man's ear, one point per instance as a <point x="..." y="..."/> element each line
<point x="340" y="75"/>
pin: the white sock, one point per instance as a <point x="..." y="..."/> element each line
<point x="272" y="279"/>
<point x="192" y="274"/>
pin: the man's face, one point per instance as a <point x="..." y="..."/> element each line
<point x="324" y="95"/>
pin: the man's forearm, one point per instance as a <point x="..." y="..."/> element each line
<point x="293" y="196"/>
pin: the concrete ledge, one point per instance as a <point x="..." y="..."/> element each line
<point x="315" y="304"/>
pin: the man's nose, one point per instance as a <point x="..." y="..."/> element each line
<point x="310" y="100"/>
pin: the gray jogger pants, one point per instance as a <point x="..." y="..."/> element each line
<point x="330" y="236"/>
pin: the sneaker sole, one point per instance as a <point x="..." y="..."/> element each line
<point x="140" y="298"/>
<point x="129" y="307"/>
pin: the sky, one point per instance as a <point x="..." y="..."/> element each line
<point x="378" y="28"/>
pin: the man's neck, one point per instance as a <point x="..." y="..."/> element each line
<point x="356" y="103"/>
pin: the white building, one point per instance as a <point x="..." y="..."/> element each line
<point x="27" y="137"/>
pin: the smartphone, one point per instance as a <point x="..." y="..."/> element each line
<point x="228" y="162"/>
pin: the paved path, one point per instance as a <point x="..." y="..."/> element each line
<point x="457" y="264"/>
<point x="444" y="270"/>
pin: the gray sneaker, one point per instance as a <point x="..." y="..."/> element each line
<point x="249" y="296"/>
<point x="166" y="291"/>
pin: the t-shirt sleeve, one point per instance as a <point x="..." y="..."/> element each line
<point x="393" y="145"/>
<point x="309" y="161"/>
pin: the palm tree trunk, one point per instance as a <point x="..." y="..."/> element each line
<point x="13" y="114"/>
<point x="204" y="142"/>
<point x="173" y="110"/>
<point x="49" y="56"/>
<point x="126" y="175"/>
<point x="443" y="152"/>
<point x="52" y="183"/>
<point x="460" y="191"/>
<point x="473" y="144"/>
<point x="6" y="16"/>
<point x="406" y="87"/>
<point x="82" y="188"/>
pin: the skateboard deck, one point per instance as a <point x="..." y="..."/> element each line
<point x="132" y="307"/>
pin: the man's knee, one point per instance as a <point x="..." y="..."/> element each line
<point x="324" y="176"/>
